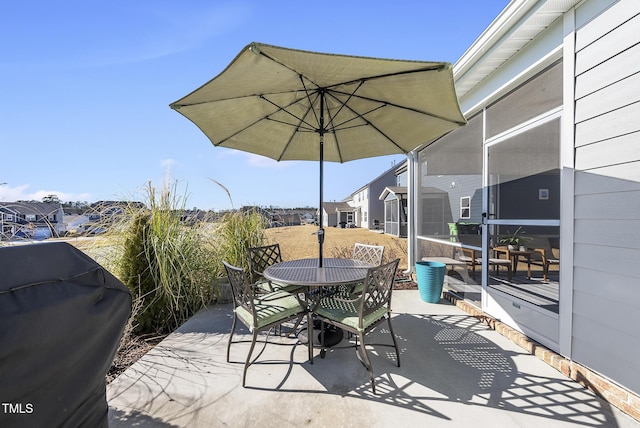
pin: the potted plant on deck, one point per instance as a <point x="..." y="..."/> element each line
<point x="515" y="241"/>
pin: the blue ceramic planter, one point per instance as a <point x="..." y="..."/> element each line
<point x="430" y="276"/>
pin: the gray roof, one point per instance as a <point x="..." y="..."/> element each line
<point x="24" y="207"/>
<point x="396" y="190"/>
<point x="331" y="207"/>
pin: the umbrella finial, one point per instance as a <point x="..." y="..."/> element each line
<point x="254" y="48"/>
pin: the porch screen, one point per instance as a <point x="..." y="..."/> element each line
<point x="459" y="152"/>
<point x="451" y="169"/>
<point x="534" y="97"/>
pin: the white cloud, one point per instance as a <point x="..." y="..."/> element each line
<point x="168" y="163"/>
<point x="21" y="193"/>
<point x="251" y="159"/>
<point x="265" y="162"/>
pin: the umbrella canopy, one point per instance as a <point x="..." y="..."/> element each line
<point x="289" y="104"/>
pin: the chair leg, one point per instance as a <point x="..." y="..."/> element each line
<point x="296" y="325"/>
<point x="247" y="363"/>
<point x="310" y="336"/>
<point x="233" y="328"/>
<point x="367" y="362"/>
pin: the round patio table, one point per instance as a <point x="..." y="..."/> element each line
<point x="306" y="273"/>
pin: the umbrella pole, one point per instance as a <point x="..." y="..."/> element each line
<point x="320" y="221"/>
<point x="321" y="157"/>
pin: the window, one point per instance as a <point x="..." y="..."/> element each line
<point x="8" y="217"/>
<point x="30" y="217"/>
<point x="465" y="207"/>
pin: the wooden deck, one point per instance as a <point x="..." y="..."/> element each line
<point x="533" y="290"/>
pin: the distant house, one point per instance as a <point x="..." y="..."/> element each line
<point x="335" y="213"/>
<point x="284" y="218"/>
<point x="106" y="209"/>
<point x="31" y="220"/>
<point x="395" y="204"/>
<point x="75" y="223"/>
<point x="99" y="216"/>
<point x="367" y="210"/>
<point x="395" y="210"/>
<point x="276" y="217"/>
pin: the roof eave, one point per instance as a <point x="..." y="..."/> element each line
<point x="518" y="23"/>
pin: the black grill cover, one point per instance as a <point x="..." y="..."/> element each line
<point x="61" y="318"/>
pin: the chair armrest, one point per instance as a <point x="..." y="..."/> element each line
<point x="472" y="253"/>
<point x="542" y="252"/>
<point x="342" y="299"/>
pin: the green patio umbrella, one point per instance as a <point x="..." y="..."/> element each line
<point x="289" y="104"/>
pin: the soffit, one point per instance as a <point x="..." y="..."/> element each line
<point x="517" y="25"/>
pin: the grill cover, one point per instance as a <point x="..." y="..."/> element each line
<point x="61" y="319"/>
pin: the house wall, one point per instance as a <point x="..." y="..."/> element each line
<point x="330" y="219"/>
<point x="360" y="202"/>
<point x="458" y="186"/>
<point x="599" y="44"/>
<point x="376" y="206"/>
<point x="402" y="179"/>
<point x="606" y="286"/>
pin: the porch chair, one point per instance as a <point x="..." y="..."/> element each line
<point x="260" y="258"/>
<point x="369" y="254"/>
<point x="258" y="312"/>
<point x="468" y="255"/>
<point x="362" y="314"/>
<point x="547" y="256"/>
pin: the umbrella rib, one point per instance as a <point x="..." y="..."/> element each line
<point x="335" y="136"/>
<point x="386" y="103"/>
<point x="284" y="109"/>
<point x="301" y="121"/>
<point x="280" y="108"/>
<point x="372" y="125"/>
<point x="343" y="105"/>
<point x="308" y="95"/>
<point x="297" y="129"/>
<point x="357" y="115"/>
<point x="437" y="67"/>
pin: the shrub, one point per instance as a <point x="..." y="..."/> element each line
<point x="172" y="267"/>
<point x="168" y="265"/>
<point x="238" y="231"/>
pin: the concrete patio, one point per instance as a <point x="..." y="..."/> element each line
<point x="455" y="372"/>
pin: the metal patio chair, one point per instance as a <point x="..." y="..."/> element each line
<point x="261" y="258"/>
<point x="258" y="312"/>
<point x="369" y="254"/>
<point x="362" y="314"/>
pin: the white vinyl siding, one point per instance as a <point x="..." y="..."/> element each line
<point x="606" y="298"/>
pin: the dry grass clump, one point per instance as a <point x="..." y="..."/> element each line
<point x="299" y="242"/>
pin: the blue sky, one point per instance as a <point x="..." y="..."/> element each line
<point x="86" y="88"/>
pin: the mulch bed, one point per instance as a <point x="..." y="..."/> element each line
<point x="131" y="351"/>
<point x="404" y="281"/>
